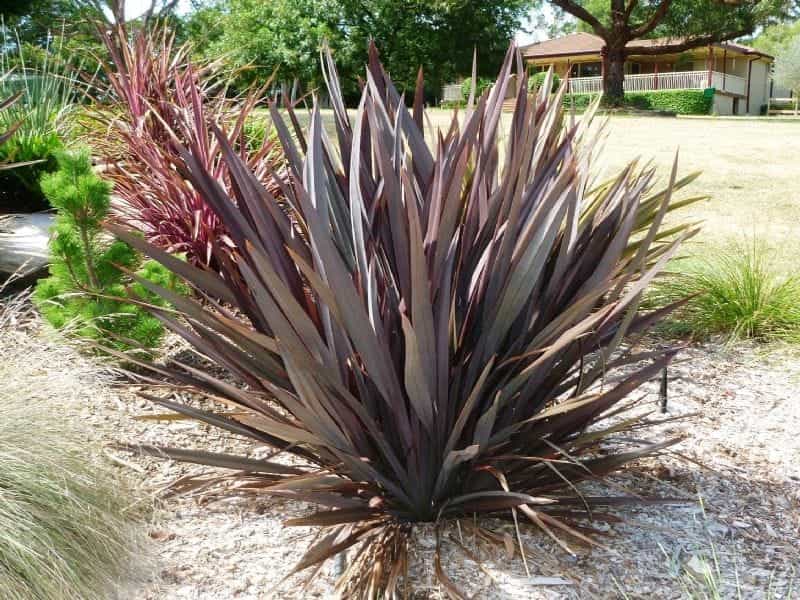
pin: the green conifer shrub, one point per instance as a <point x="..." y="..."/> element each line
<point x="85" y="286"/>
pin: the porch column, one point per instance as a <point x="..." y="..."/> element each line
<point x="655" y="73"/>
<point x="749" y="73"/>
<point x="709" y="64"/>
<point x="568" y="75"/>
<point x="724" y="65"/>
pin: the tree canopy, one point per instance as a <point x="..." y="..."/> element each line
<point x="682" y="18"/>
<point x="774" y="38"/>
<point x="439" y="36"/>
<point x="787" y="66"/>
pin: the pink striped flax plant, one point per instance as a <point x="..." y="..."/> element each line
<point x="155" y="102"/>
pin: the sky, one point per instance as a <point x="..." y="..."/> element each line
<point x="134" y="8"/>
<point x="533" y="34"/>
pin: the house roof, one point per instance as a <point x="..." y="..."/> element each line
<point x="581" y="43"/>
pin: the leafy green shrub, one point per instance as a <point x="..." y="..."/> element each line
<point x="537" y="79"/>
<point x="682" y="102"/>
<point x="452" y="104"/>
<point x="64" y="531"/>
<point x="259" y="133"/>
<point x="85" y="286"/>
<point x="443" y="318"/>
<point x="48" y="90"/>
<point x="579" y="102"/>
<point x="736" y="292"/>
<point x="481" y="86"/>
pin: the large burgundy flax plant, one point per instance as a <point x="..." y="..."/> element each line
<point x="425" y="330"/>
<point x="156" y="100"/>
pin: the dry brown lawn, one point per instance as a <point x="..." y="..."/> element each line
<point x="750" y="171"/>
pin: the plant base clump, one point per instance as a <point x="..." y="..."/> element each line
<point x="86" y="291"/>
<point x="424" y="330"/>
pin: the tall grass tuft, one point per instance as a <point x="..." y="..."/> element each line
<point x="737" y="292"/>
<point x="66" y="528"/>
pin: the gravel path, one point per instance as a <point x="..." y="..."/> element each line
<point x="746" y="441"/>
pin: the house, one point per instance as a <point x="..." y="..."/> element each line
<point x="739" y="75"/>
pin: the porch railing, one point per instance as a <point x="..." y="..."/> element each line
<point x="678" y="80"/>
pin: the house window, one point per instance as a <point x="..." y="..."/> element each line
<point x="589" y="69"/>
<point x="635" y="68"/>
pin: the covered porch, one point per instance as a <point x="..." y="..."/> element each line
<point x="738" y="74"/>
<point x="693" y="70"/>
<point x="670" y="80"/>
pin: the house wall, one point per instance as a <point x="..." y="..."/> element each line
<point x="561" y="67"/>
<point x="759" y="86"/>
<point x="723" y="105"/>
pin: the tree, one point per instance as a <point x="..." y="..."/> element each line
<point x="33" y="21"/>
<point x="288" y="34"/>
<point x="116" y="11"/>
<point x="86" y="290"/>
<point x="440" y="36"/>
<point x="690" y="24"/>
<point x="774" y="38"/>
<point x="265" y="37"/>
<point x="787" y="68"/>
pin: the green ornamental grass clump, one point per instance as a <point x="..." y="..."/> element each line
<point x="86" y="287"/>
<point x="64" y="533"/>
<point x="735" y="292"/>
<point x="46" y="88"/>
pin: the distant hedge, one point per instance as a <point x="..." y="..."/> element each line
<point x="452" y="104"/>
<point x="578" y="101"/>
<point x="682" y="102"/>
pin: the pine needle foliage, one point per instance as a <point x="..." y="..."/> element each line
<point x="425" y="330"/>
<point x="736" y="293"/>
<point x="86" y="289"/>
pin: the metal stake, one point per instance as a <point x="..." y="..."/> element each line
<point x="663" y="391"/>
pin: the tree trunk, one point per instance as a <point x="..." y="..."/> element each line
<point x="613" y="75"/>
